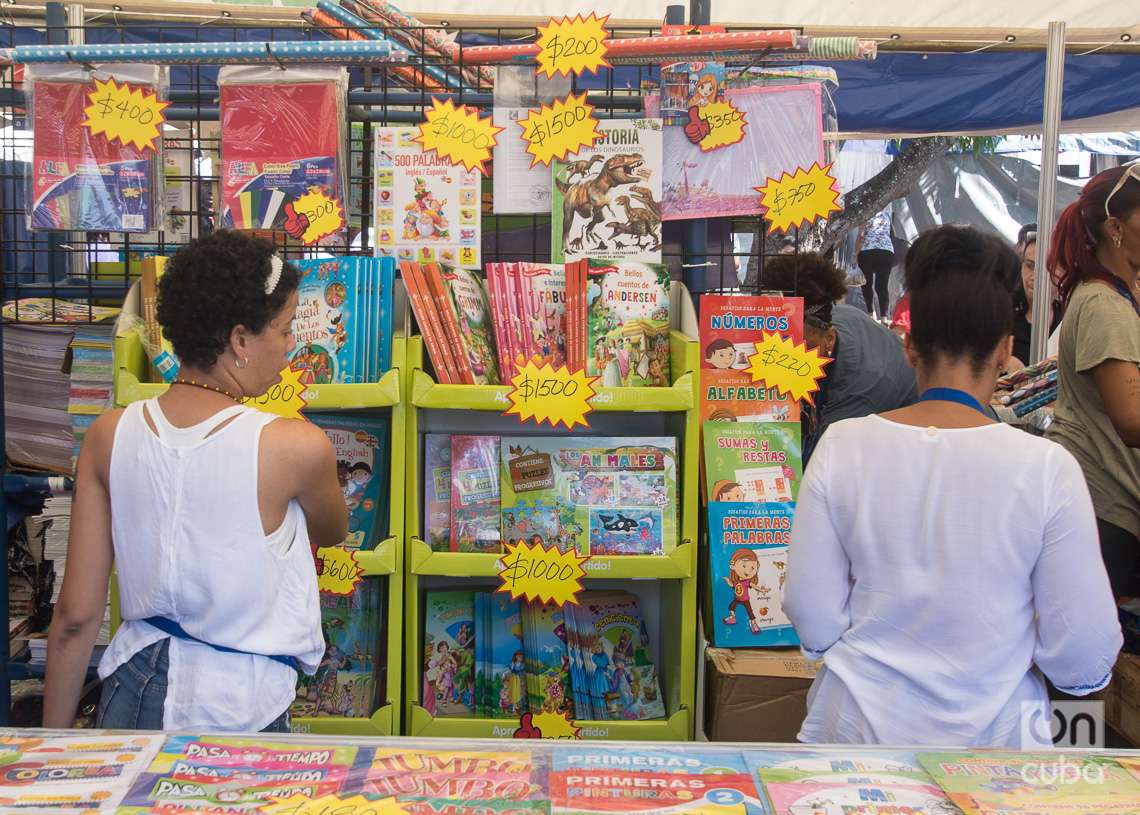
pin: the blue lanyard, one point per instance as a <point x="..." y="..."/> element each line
<point x="1125" y="293"/>
<point x="953" y="395"/>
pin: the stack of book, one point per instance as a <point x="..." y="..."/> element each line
<point x="92" y="378"/>
<point x="610" y="319"/>
<point x="595" y="495"/>
<point x="37" y="389"/>
<point x="488" y="656"/>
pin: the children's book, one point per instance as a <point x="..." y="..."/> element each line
<point x="449" y="806"/>
<point x="748" y="556"/>
<point x="266" y="169"/>
<point x="437" y="491"/>
<point x="482" y="641"/>
<point x="449" y="653"/>
<point x="686" y="87"/>
<point x="427" y="310"/>
<point x="579" y="681"/>
<point x="758" y="462"/>
<point x="475" y="494"/>
<point x="427" y="209"/>
<point x="1030" y="783"/>
<point x="549" y="688"/>
<point x="500" y="298"/>
<point x="81" y="181"/>
<point x="587" y="779"/>
<point x="600" y="495"/>
<point x="607" y="198"/>
<point x="361" y="447"/>
<point x="628" y="323"/>
<point x="469" y="312"/>
<point x="507" y="685"/>
<point x="345" y="682"/>
<point x="877" y="767"/>
<point x="384" y="312"/>
<point x="624" y="681"/>
<point x="330" y="317"/>
<point x="730" y="328"/>
<point x="542" y="291"/>
<point x="838" y="798"/>
<point x="458" y="775"/>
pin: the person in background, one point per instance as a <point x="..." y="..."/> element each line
<point x="208" y="509"/>
<point x="869" y="373"/>
<point x="935" y="627"/>
<point x="1023" y="300"/>
<point x="1095" y="261"/>
<point x="875" y="251"/>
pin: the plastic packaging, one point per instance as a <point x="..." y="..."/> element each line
<point x="84" y="182"/>
<point x="283" y="133"/>
<point x="163" y="361"/>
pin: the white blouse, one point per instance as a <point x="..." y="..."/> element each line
<point x="935" y="571"/>
<point x="189" y="546"/>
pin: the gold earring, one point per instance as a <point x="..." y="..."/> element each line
<point x="1116" y="241"/>
<point x="241" y="362"/>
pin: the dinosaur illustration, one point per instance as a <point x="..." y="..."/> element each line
<point x="584" y="167"/>
<point x="645" y="196"/>
<point x="636" y="229"/>
<point x="591" y="197"/>
<point x="644" y="218"/>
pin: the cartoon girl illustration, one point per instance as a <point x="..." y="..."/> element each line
<point x="657" y="377"/>
<point x="727" y="491"/>
<point x="742" y="569"/>
<point x="705" y="92"/>
<point x="505" y="698"/>
<point x="624" y="645"/>
<point x="621" y="683"/>
<point x="359" y="476"/>
<point x="600" y="355"/>
<point x="720" y="354"/>
<point x="443" y="664"/>
<point x="513" y="682"/>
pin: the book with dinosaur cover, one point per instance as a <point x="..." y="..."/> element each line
<point x="437" y="491"/>
<point x="1029" y="783"/>
<point x="475" y="494"/>
<point x="730" y="328"/>
<point x="345" y="684"/>
<point x="622" y="677"/>
<point x="427" y="209"/>
<point x="449" y="653"/>
<point x="627" y="341"/>
<point x="361" y="447"/>
<point x="600" y="495"/>
<point x="606" y="201"/>
<point x="748" y="555"/>
<point x="264" y="170"/>
<point x="758" y="462"/>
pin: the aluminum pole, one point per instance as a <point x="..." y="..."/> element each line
<point x="1047" y="192"/>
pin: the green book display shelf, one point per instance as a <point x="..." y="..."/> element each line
<point x="666" y="585"/>
<point x="385" y="562"/>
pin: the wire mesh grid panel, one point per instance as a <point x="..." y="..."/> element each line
<point x="98" y="267"/>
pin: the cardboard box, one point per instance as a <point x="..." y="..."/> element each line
<point x="757" y="695"/>
<point x="1122" y="699"/>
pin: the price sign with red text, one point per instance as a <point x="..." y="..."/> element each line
<point x="125" y="114"/>
<point x="799" y="199"/>
<point x="556" y="130"/>
<point x="573" y="45"/>
<point x="788" y="367"/>
<point x="313" y="216"/>
<point x="337" y="570"/>
<point x="458" y="134"/>
<point x="725" y="125"/>
<point x="538" y="573"/>
<point x="547" y="395"/>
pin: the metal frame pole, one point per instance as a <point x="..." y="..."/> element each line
<point x="696" y="231"/>
<point x="1047" y="191"/>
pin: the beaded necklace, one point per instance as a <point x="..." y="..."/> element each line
<point x="196" y="384"/>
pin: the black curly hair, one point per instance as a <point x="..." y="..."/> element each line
<point x="810" y="276"/>
<point x="214" y="283"/>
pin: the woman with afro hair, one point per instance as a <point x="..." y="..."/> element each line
<point x="869" y="373"/>
<point x="208" y="509"/>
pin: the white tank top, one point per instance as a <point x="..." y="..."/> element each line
<point x="190" y="546"/>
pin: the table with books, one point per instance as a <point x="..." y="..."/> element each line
<point x="134" y="773"/>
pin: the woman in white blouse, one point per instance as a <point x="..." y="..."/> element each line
<point x="935" y="626"/>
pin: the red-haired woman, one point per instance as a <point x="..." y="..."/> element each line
<point x="1095" y="261"/>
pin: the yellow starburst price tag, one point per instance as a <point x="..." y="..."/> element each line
<point x="548" y="395"/>
<point x="547" y="726"/>
<point x="726" y="125"/>
<point x="458" y="134"/>
<point x="564" y="127"/>
<point x="536" y="572"/>
<point x="573" y="46"/>
<point x="799" y="199"/>
<point x="333" y="805"/>
<point x="124" y="114"/>
<point x="286" y="398"/>
<point x="337" y="570"/>
<point x="788" y="367"/>
<point x="315" y="215"/>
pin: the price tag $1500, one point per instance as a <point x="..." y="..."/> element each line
<point x="547" y="395"/>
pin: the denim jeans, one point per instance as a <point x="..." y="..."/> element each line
<point x="134" y="695"/>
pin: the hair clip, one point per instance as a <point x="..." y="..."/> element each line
<point x="275" y="267"/>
